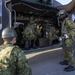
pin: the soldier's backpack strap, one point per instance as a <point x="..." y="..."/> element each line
<point x="5" y="53"/>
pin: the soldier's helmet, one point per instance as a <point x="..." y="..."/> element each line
<point x="61" y="12"/>
<point x="9" y="33"/>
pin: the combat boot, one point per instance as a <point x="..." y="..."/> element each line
<point x="65" y="62"/>
<point x="69" y="68"/>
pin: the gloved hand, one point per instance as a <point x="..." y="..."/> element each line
<point x="60" y="38"/>
<point x="66" y="36"/>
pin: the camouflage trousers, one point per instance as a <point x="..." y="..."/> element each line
<point x="68" y="48"/>
<point x="69" y="56"/>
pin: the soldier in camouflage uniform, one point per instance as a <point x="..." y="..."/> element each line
<point x="30" y="32"/>
<point x="12" y="59"/>
<point x="68" y="40"/>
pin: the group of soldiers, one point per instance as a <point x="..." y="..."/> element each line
<point x="30" y="34"/>
<point x="67" y="37"/>
<point x="13" y="60"/>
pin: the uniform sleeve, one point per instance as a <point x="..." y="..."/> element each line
<point x="22" y="65"/>
<point x="71" y="26"/>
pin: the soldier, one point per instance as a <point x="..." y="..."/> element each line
<point x="68" y="40"/>
<point x="12" y="59"/>
<point x="29" y="33"/>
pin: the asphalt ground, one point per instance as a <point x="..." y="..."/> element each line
<point x="47" y="62"/>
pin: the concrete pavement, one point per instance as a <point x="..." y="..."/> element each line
<point x="47" y="62"/>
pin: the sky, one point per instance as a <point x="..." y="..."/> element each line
<point x="64" y="1"/>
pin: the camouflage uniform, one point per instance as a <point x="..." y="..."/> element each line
<point x="13" y="61"/>
<point x="68" y="27"/>
<point x="29" y="34"/>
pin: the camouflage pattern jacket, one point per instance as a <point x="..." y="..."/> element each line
<point x="29" y="33"/>
<point x="68" y="27"/>
<point x="13" y="61"/>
